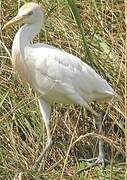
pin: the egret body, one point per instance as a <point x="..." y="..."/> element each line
<point x="55" y="75"/>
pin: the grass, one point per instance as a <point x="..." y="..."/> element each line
<point x="101" y="32"/>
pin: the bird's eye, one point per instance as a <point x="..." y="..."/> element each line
<point x="30" y="13"/>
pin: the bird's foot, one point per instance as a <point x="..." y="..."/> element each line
<point x="39" y="162"/>
<point x="35" y="166"/>
<point x="95" y="162"/>
<point x="38" y="165"/>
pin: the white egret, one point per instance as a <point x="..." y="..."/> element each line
<point x="55" y="75"/>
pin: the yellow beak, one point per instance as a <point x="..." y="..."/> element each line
<point x="15" y="20"/>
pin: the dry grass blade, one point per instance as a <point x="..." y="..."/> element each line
<point x="126" y="88"/>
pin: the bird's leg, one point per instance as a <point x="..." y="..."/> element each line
<point x="45" y="109"/>
<point x="101" y="157"/>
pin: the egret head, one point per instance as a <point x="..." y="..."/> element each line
<point x="30" y="13"/>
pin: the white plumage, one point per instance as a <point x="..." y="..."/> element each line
<point x="62" y="77"/>
<point x="54" y="74"/>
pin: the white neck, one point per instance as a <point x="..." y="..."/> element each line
<point x="24" y="36"/>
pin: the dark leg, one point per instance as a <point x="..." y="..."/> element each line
<point x="101" y="157"/>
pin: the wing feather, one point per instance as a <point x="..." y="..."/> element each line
<point x="69" y="73"/>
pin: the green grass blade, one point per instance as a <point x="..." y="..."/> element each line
<point x="77" y="17"/>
